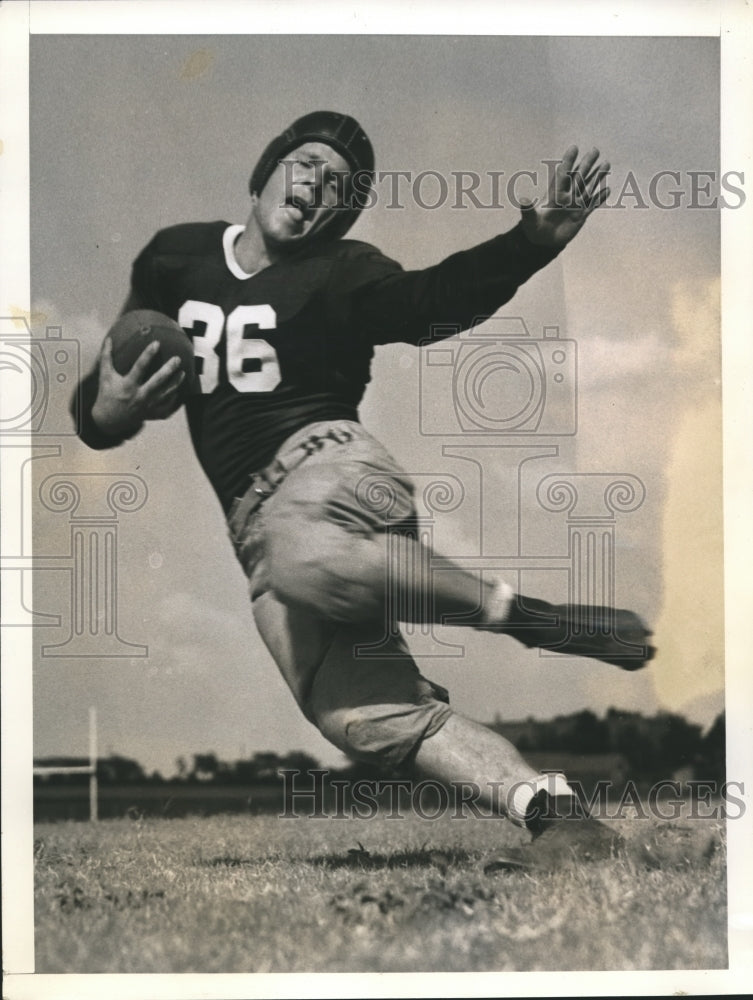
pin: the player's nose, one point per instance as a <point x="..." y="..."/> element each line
<point x="304" y="191"/>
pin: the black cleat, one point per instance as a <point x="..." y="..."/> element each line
<point x="563" y="843"/>
<point x="567" y="842"/>
<point x="613" y="635"/>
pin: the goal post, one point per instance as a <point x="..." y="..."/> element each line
<point x="90" y="768"/>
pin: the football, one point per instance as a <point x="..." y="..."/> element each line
<point x="134" y="330"/>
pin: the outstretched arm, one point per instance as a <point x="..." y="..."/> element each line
<point x="468" y="287"/>
<point x="575" y="190"/>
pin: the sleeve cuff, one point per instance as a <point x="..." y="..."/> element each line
<point x="525" y="258"/>
<point x="81" y="406"/>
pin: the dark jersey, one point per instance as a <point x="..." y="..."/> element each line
<point x="292" y="344"/>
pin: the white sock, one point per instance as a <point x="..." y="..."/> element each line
<point x="497" y="603"/>
<point x="520" y="795"/>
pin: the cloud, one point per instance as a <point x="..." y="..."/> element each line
<point x="688" y="348"/>
<point x="604" y="362"/>
<point x="192" y="636"/>
<point x="696" y="324"/>
<point x="86" y="328"/>
<point x="690" y="631"/>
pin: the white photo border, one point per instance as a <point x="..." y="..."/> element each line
<point x="732" y="22"/>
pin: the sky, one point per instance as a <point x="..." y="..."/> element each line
<point x="129" y="134"/>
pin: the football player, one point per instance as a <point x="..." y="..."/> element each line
<point x="284" y="315"/>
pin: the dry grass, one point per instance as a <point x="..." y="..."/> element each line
<point x="265" y="894"/>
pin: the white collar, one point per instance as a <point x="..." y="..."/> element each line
<point x="229" y="237"/>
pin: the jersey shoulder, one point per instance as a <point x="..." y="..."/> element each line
<point x="361" y="266"/>
<point x="188" y="239"/>
<point x="357" y="250"/>
<point x="342" y="251"/>
<point x="354" y="262"/>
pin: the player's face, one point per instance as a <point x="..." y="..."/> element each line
<point x="302" y="194"/>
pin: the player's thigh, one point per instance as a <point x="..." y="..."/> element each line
<point x="336" y="488"/>
<point x="335" y="574"/>
<point x="326" y="544"/>
<point x="357" y="684"/>
<point x="297" y="641"/>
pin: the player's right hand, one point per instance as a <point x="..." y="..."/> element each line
<point x="124" y="402"/>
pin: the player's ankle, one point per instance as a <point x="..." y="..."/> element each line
<point x="541" y="799"/>
<point x="498" y="605"/>
<point x="521" y="617"/>
<point x="531" y="621"/>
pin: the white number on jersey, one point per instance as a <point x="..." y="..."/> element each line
<point x="262" y="369"/>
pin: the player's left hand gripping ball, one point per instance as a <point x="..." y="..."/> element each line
<point x="138" y="328"/>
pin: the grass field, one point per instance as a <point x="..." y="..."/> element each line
<point x="268" y="894"/>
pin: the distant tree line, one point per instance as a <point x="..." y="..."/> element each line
<point x="204" y="769"/>
<point x="653" y="747"/>
<point x="259" y="769"/>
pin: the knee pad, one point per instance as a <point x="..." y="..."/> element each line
<point x="374" y="708"/>
<point x="356" y="732"/>
<point x="382" y="734"/>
